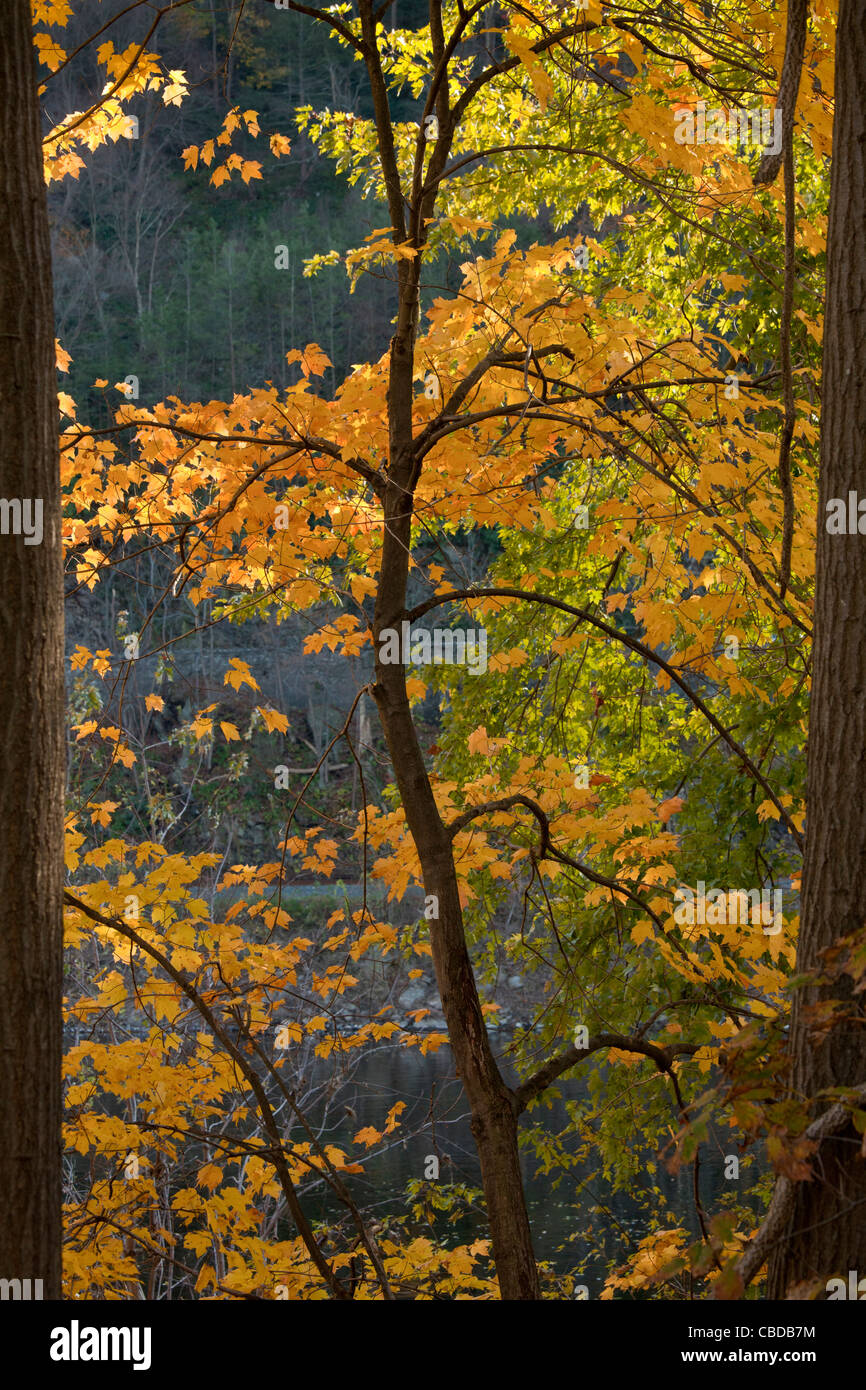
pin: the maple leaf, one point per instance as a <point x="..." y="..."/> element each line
<point x="274" y="720"/>
<point x="478" y="742"/>
<point x="210" y="1176"/>
<point x="314" y="361"/>
<point x="50" y="52"/>
<point x="280" y="145"/>
<point x="521" y="46"/>
<point x="239" y="675"/>
<point x="368" y="1137"/>
<point x="394" y="1114"/>
<point x="175" y="89"/>
<point x="51" y="11"/>
<point x="669" y="808"/>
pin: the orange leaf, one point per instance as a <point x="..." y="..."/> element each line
<point x="368" y="1136"/>
<point x="670" y="808"/>
<point x="274" y="720"/>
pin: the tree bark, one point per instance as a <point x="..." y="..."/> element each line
<point x="825" y="1233"/>
<point x="492" y="1103"/>
<point x="31" y="690"/>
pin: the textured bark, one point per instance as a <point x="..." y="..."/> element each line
<point x="492" y="1103"/>
<point x="31" y="692"/>
<point x="825" y="1233"/>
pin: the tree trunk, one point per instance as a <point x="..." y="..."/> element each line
<point x="31" y="688"/>
<point x="494" y="1117"/>
<point x="826" y="1232"/>
<point x="492" y="1103"/>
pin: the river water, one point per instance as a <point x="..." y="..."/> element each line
<point x="563" y="1214"/>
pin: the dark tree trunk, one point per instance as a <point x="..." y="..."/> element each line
<point x="494" y="1115"/>
<point x="826" y="1232"/>
<point x="31" y="689"/>
<point x="492" y="1103"/>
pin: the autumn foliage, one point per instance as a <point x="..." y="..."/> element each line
<point x="610" y="402"/>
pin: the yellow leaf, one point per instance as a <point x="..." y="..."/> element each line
<point x="314" y="361"/>
<point x="240" y="675"/>
<point x="50" y="53"/>
<point x="393" y="1116"/>
<point x="478" y="742"/>
<point x="274" y="720"/>
<point x="521" y="47"/>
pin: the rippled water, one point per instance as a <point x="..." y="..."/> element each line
<point x="437" y="1119"/>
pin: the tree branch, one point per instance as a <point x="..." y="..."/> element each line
<point x="772" y="1228"/>
<point x="303" y="1227"/>
<point x="789" y="86"/>
<point x="646" y="653"/>
<point x="664" y="1057"/>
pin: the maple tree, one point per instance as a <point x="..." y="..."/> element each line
<point x="622" y="405"/>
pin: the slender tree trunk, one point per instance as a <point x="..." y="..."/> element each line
<point x="494" y="1116"/>
<point x="492" y="1103"/>
<point x="494" y="1119"/>
<point x="31" y="690"/>
<point x="826" y="1232"/>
